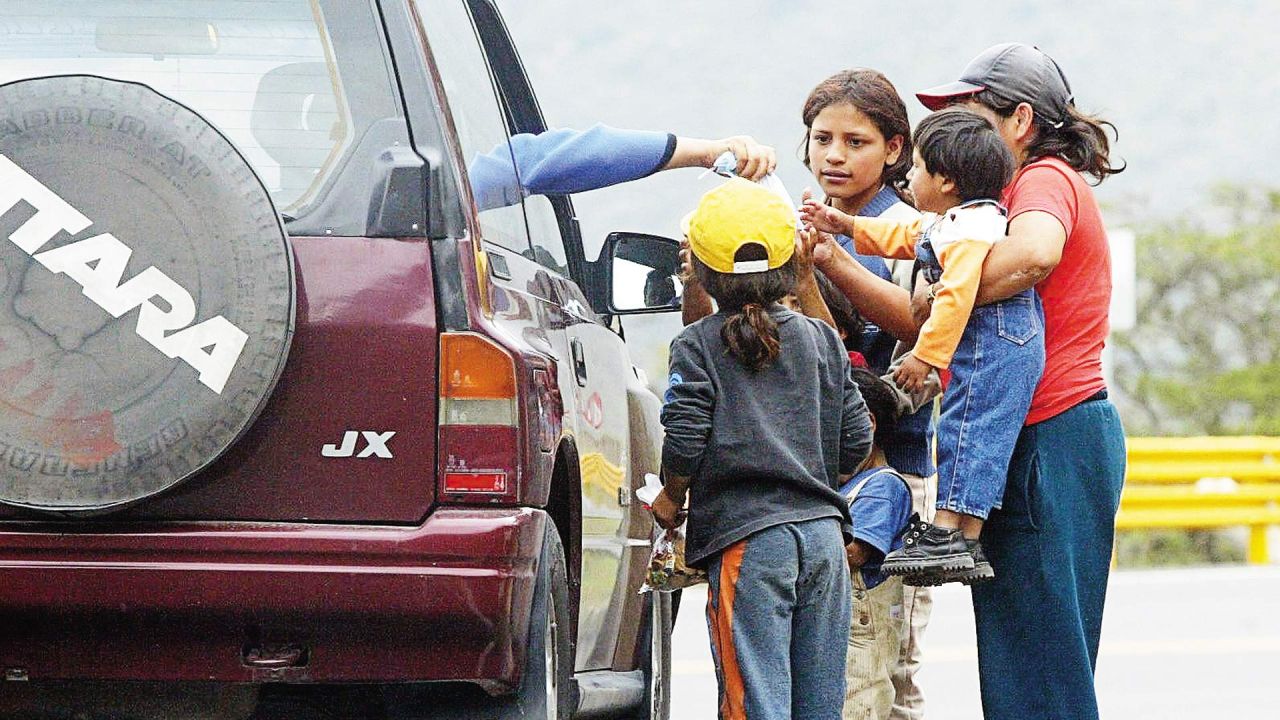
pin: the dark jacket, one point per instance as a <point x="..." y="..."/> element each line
<point x="762" y="448"/>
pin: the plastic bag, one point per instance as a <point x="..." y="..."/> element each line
<point x="727" y="164"/>
<point x="667" y="570"/>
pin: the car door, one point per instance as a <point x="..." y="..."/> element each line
<point x="596" y="379"/>
<point x="534" y="296"/>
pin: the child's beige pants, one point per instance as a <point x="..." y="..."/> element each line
<point x="917" y="605"/>
<point x="875" y="638"/>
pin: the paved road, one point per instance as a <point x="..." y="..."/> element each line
<point x="1202" y="643"/>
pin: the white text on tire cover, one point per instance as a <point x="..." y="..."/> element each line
<point x="211" y="347"/>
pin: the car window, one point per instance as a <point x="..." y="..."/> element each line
<point x="476" y="111"/>
<point x="544" y="235"/>
<point x="292" y="83"/>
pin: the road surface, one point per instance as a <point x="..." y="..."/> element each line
<point x="1194" y="643"/>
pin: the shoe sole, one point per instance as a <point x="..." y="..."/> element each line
<point x="959" y="563"/>
<point x="978" y="574"/>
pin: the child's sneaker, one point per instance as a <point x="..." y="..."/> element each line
<point x="928" y="551"/>
<point x="981" y="568"/>
<point x="980" y="571"/>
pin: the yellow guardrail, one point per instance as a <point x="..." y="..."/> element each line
<point x="1204" y="482"/>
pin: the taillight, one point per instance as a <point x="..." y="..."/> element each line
<point x="479" y="445"/>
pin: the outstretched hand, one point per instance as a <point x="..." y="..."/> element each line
<point x="686" y="263"/>
<point x="823" y="217"/>
<point x="813" y="249"/>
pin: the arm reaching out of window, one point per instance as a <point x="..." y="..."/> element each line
<point x="566" y="161"/>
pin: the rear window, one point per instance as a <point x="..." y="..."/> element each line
<point x="293" y="83"/>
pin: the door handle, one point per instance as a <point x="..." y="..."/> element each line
<point x="579" y="362"/>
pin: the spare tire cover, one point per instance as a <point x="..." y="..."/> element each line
<point x="146" y="293"/>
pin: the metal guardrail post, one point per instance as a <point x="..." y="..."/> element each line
<point x="1259" y="547"/>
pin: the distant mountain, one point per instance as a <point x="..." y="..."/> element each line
<point x="1192" y="86"/>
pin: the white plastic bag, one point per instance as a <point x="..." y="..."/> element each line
<point x="726" y="166"/>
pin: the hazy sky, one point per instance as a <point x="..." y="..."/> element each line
<point x="1192" y="86"/>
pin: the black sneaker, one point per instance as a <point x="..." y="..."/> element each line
<point x="981" y="568"/>
<point x="980" y="571"/>
<point x="927" y="551"/>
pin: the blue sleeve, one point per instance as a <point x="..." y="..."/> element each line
<point x="881" y="512"/>
<point x="560" y="162"/>
<point x="687" y="408"/>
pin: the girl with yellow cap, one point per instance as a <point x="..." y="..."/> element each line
<point x="763" y="424"/>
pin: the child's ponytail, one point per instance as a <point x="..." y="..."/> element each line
<point x="749" y="333"/>
<point x="752" y="336"/>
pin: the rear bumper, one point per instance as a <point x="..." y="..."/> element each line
<point x="446" y="601"/>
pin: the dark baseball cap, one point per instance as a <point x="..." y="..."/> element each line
<point x="1016" y="72"/>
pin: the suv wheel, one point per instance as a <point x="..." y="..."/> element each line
<point x="544" y="688"/>
<point x="110" y="395"/>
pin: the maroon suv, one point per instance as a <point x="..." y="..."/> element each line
<point x="280" y="409"/>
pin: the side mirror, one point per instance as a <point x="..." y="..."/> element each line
<point x="642" y="274"/>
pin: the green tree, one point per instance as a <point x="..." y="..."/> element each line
<point x="1204" y="357"/>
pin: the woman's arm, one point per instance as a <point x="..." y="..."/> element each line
<point x="1031" y="251"/>
<point x="754" y="160"/>
<point x="565" y="161"/>
<point x="878" y="300"/>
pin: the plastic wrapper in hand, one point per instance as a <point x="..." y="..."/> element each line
<point x="667" y="570"/>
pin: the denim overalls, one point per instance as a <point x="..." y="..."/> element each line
<point x="994" y="373"/>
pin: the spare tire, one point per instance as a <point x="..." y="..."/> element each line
<point x="146" y="294"/>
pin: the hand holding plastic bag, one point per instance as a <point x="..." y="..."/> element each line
<point x="667" y="570"/>
<point x="726" y="166"/>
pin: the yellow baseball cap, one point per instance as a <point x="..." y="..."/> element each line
<point x="740" y="213"/>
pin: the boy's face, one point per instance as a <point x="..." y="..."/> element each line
<point x="932" y="193"/>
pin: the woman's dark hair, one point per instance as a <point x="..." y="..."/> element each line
<point x="965" y="148"/>
<point x="1079" y="140"/>
<point x="880" y="400"/>
<point x="847" y="319"/>
<point x="874" y="96"/>
<point x="749" y="333"/>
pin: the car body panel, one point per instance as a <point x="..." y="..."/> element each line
<point x="189" y="601"/>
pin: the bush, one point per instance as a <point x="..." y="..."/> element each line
<point x="1176" y="548"/>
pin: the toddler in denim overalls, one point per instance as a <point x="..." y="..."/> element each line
<point x="995" y="352"/>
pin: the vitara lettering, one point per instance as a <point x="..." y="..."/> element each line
<point x="98" y="263"/>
